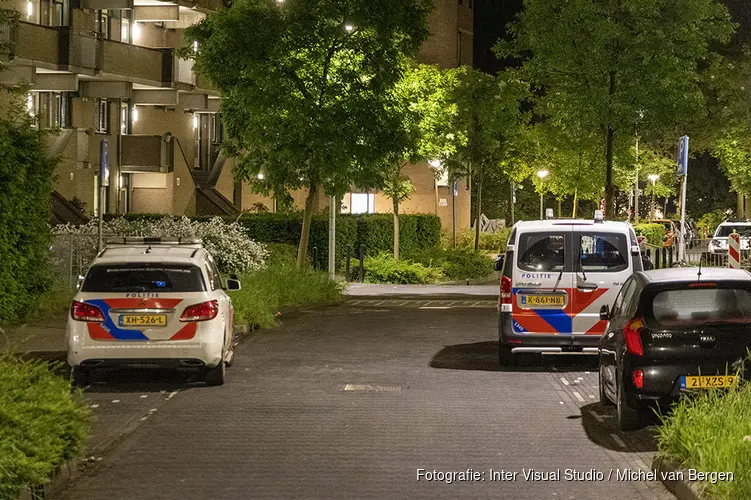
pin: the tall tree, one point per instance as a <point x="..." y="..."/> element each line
<point x="304" y="85"/>
<point x="617" y="65"/>
<point x="487" y="122"/>
<point x="421" y="109"/>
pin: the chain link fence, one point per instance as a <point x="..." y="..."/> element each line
<point x="72" y="254"/>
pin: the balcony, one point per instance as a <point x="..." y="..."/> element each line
<point x="137" y="64"/>
<point x="147" y="153"/>
<point x="37" y="45"/>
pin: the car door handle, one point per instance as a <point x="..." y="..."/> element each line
<point x="587" y="287"/>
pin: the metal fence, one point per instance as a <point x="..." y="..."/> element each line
<point x="71" y="255"/>
<point x="707" y="252"/>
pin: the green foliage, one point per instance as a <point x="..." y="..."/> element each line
<point x="383" y="268"/>
<point x="41" y="424"/>
<point x="709" y="221"/>
<point x="495" y="242"/>
<point x="655" y="233"/>
<point x="457" y="264"/>
<point x="25" y="210"/>
<point x="615" y="69"/>
<point x="712" y="433"/>
<point x="281" y="255"/>
<point x="266" y="292"/>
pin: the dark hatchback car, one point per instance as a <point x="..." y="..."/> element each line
<point x="672" y="332"/>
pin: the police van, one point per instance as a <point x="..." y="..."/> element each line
<point x="556" y="274"/>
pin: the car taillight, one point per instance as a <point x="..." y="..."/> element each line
<point x="506" y="290"/>
<point x="201" y="312"/>
<point x="81" y="311"/>
<point x="633" y="337"/>
<point x="639" y="379"/>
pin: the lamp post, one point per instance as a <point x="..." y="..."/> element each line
<point x="653" y="178"/>
<point x="542" y="174"/>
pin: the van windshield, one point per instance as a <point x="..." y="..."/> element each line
<point x="701" y="306"/>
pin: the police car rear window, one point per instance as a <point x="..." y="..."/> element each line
<point x="541" y="252"/>
<point x="140" y="277"/>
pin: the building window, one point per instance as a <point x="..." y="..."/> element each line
<point x="125" y="118"/>
<point x="208" y="139"/>
<point x="102" y="117"/>
<point x="125" y="30"/>
<point x="362" y="203"/>
<point x="124" y="199"/>
<point x="32" y="107"/>
<point x="103" y="24"/>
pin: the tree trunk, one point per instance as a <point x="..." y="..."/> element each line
<point x="396" y="228"/>
<point x="573" y="214"/>
<point x="479" y="213"/>
<point x="302" y="250"/>
<point x="609" y="186"/>
<point x="559" y="207"/>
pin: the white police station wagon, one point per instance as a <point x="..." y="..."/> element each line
<point x="152" y="301"/>
<point x="556" y="276"/>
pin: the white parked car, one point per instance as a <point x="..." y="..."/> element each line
<point x="719" y="242"/>
<point x="151" y="301"/>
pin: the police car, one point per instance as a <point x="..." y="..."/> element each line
<point x="152" y="301"/>
<point x="556" y="275"/>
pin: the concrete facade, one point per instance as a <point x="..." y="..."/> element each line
<point x="113" y="74"/>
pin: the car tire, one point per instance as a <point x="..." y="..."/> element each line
<point x="215" y="376"/>
<point x="629" y="419"/>
<point x="80" y="377"/>
<point x="505" y="356"/>
<point x="604" y="399"/>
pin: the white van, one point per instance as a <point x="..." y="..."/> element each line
<point x="556" y="275"/>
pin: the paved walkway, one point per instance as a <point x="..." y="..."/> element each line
<point x="42" y="338"/>
<point x="421" y="291"/>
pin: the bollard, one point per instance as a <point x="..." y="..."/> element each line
<point x="315" y="258"/>
<point x="362" y="263"/>
<point x="349" y="256"/>
<point x="657" y="258"/>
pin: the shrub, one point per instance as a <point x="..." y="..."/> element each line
<point x="457" y="264"/>
<point x="709" y="222"/>
<point x="495" y="242"/>
<point x="281" y="254"/>
<point x="229" y="243"/>
<point x="383" y="268"/>
<point x="712" y="433"/>
<point x="41" y="425"/>
<point x="655" y="233"/>
<point x="25" y="211"/>
<point x="267" y="291"/>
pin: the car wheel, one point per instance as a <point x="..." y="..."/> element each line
<point x="505" y="356"/>
<point x="80" y="377"/>
<point x="604" y="399"/>
<point x="629" y="419"/>
<point x="215" y="376"/>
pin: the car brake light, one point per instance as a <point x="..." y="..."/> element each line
<point x="633" y="337"/>
<point x="702" y="285"/>
<point x="81" y="311"/>
<point x="201" y="312"/>
<point x="506" y="290"/>
<point x="639" y="379"/>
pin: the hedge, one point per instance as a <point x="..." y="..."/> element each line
<point x="655" y="233"/>
<point x="41" y="425"/>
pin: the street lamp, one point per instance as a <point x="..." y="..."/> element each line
<point x="542" y="174"/>
<point x="653" y="178"/>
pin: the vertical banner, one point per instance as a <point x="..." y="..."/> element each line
<point x="683" y="172"/>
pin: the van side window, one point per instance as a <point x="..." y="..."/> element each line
<point x="603" y="252"/>
<point x="541" y="252"/>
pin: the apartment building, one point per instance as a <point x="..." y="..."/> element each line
<point x="108" y="70"/>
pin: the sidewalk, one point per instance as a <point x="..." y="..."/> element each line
<point x="360" y="290"/>
<point x="44" y="338"/>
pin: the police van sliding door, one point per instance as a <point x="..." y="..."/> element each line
<point x="602" y="265"/>
<point x="543" y="282"/>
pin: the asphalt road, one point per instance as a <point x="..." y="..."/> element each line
<point x="350" y="402"/>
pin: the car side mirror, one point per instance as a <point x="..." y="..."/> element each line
<point x="605" y="312"/>
<point x="233" y="285"/>
<point x="498" y="265"/>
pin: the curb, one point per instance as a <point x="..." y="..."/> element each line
<point x="682" y="489"/>
<point x="60" y="478"/>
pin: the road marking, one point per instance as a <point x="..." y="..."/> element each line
<point x="618" y="440"/>
<point x="578" y="396"/>
<point x="591" y="396"/>
<point x="144" y="396"/>
<point x="95" y="406"/>
<point x="597" y="417"/>
<point x="115" y="400"/>
<point x="371" y="388"/>
<point x="434" y="307"/>
<point x="563" y="379"/>
<point x="171" y="395"/>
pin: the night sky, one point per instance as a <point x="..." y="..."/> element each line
<point x="492" y="16"/>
